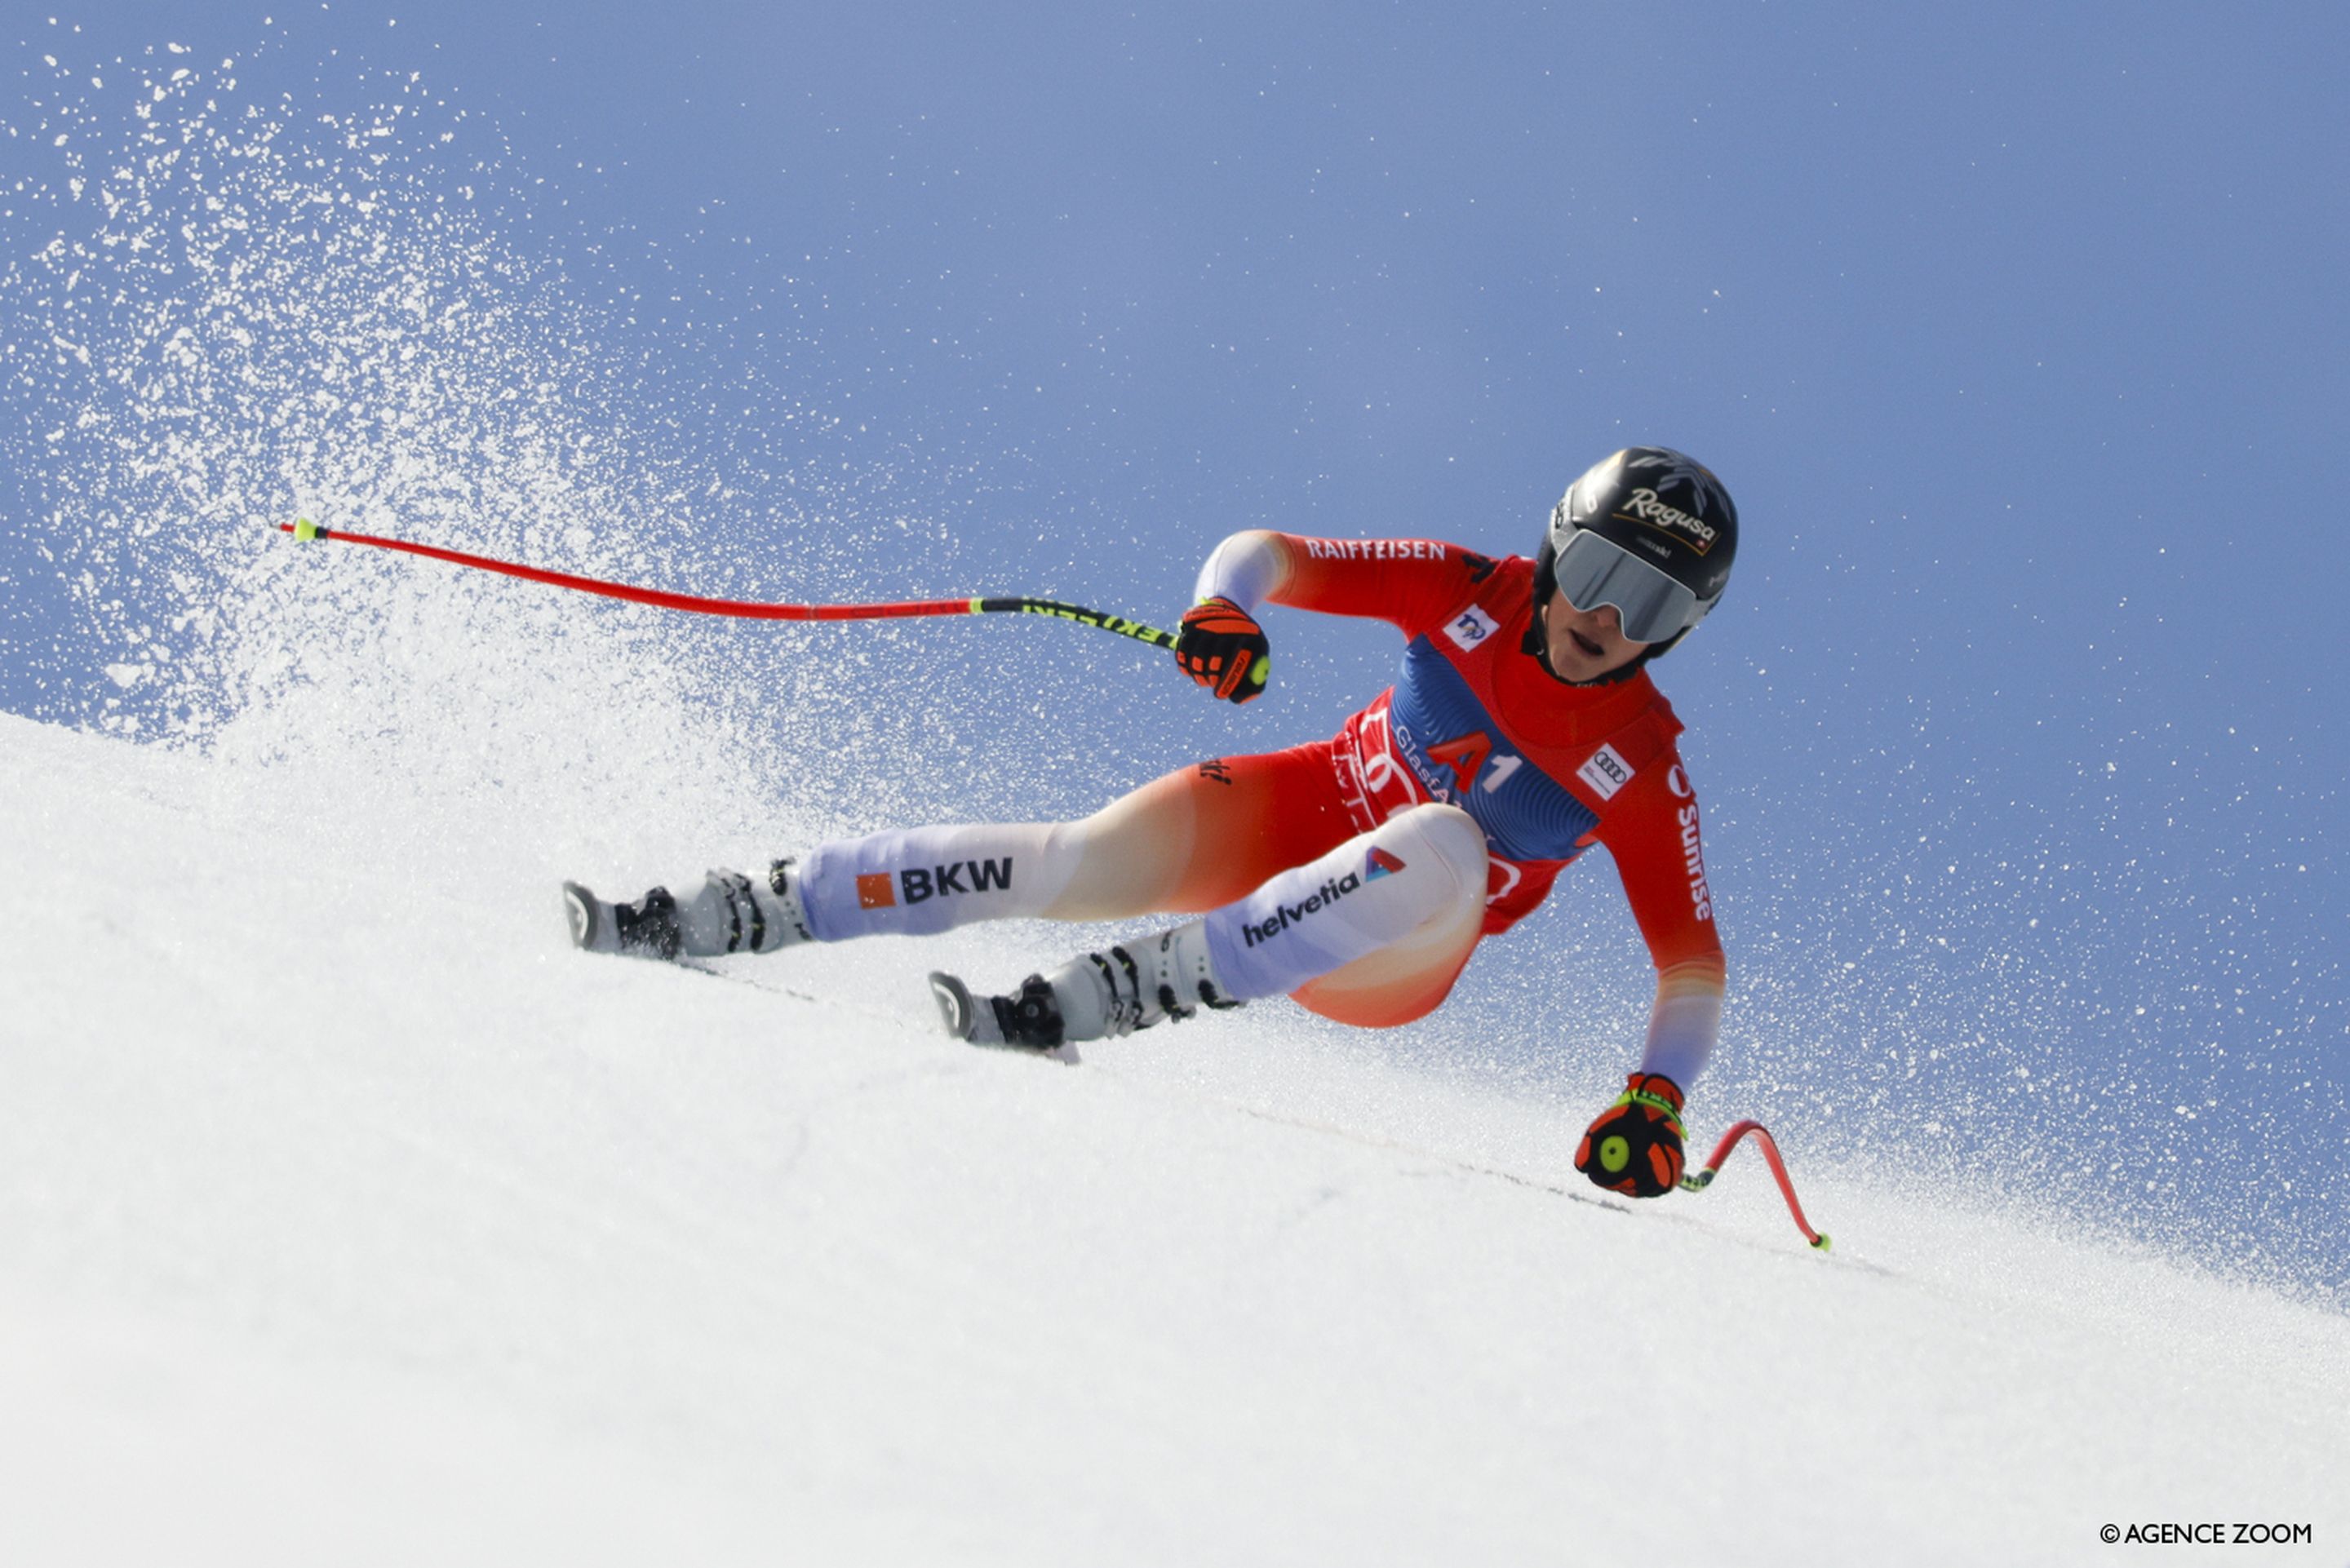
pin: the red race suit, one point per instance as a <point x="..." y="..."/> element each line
<point x="1546" y="768"/>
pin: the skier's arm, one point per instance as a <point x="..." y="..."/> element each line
<point x="1651" y="830"/>
<point x="1245" y="570"/>
<point x="1413" y="583"/>
<point x="1634" y="1147"/>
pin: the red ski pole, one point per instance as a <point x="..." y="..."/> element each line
<point x="1704" y="1178"/>
<point x="305" y="530"/>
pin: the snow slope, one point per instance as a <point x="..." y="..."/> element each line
<point x="349" y="1216"/>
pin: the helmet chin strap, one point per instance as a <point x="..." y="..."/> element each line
<point x="1537" y="638"/>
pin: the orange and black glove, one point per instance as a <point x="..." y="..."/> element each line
<point x="1635" y="1144"/>
<point x="1223" y="648"/>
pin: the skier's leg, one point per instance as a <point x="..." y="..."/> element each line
<point x="1379" y="953"/>
<point x="1389" y="988"/>
<point x="1195" y="838"/>
<point x="1202" y="837"/>
<point x="1372" y="931"/>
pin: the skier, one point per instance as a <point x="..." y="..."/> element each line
<point x="1356" y="873"/>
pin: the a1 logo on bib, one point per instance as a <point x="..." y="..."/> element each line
<point x="1606" y="773"/>
<point x="1472" y="627"/>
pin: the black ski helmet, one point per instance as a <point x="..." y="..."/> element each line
<point x="1662" y="508"/>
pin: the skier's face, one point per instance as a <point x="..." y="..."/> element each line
<point x="1585" y="644"/>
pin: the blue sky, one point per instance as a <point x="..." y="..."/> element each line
<point x="2016" y="332"/>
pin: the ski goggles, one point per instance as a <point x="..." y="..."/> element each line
<point x="1594" y="571"/>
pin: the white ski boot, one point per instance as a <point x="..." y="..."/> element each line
<point x="1093" y="996"/>
<point x="729" y="914"/>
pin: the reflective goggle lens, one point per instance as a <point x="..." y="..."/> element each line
<point x="1593" y="571"/>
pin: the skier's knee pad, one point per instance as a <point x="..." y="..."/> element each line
<point x="1445" y="837"/>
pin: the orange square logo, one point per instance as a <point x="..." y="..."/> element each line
<point x="876" y="891"/>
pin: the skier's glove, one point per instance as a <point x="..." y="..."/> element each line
<point x="1635" y="1144"/>
<point x="1223" y="648"/>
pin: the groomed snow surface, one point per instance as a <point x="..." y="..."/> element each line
<point x="349" y="1216"/>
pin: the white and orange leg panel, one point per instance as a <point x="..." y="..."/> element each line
<point x="1369" y="928"/>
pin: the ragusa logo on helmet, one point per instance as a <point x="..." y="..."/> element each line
<point x="1643" y="505"/>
